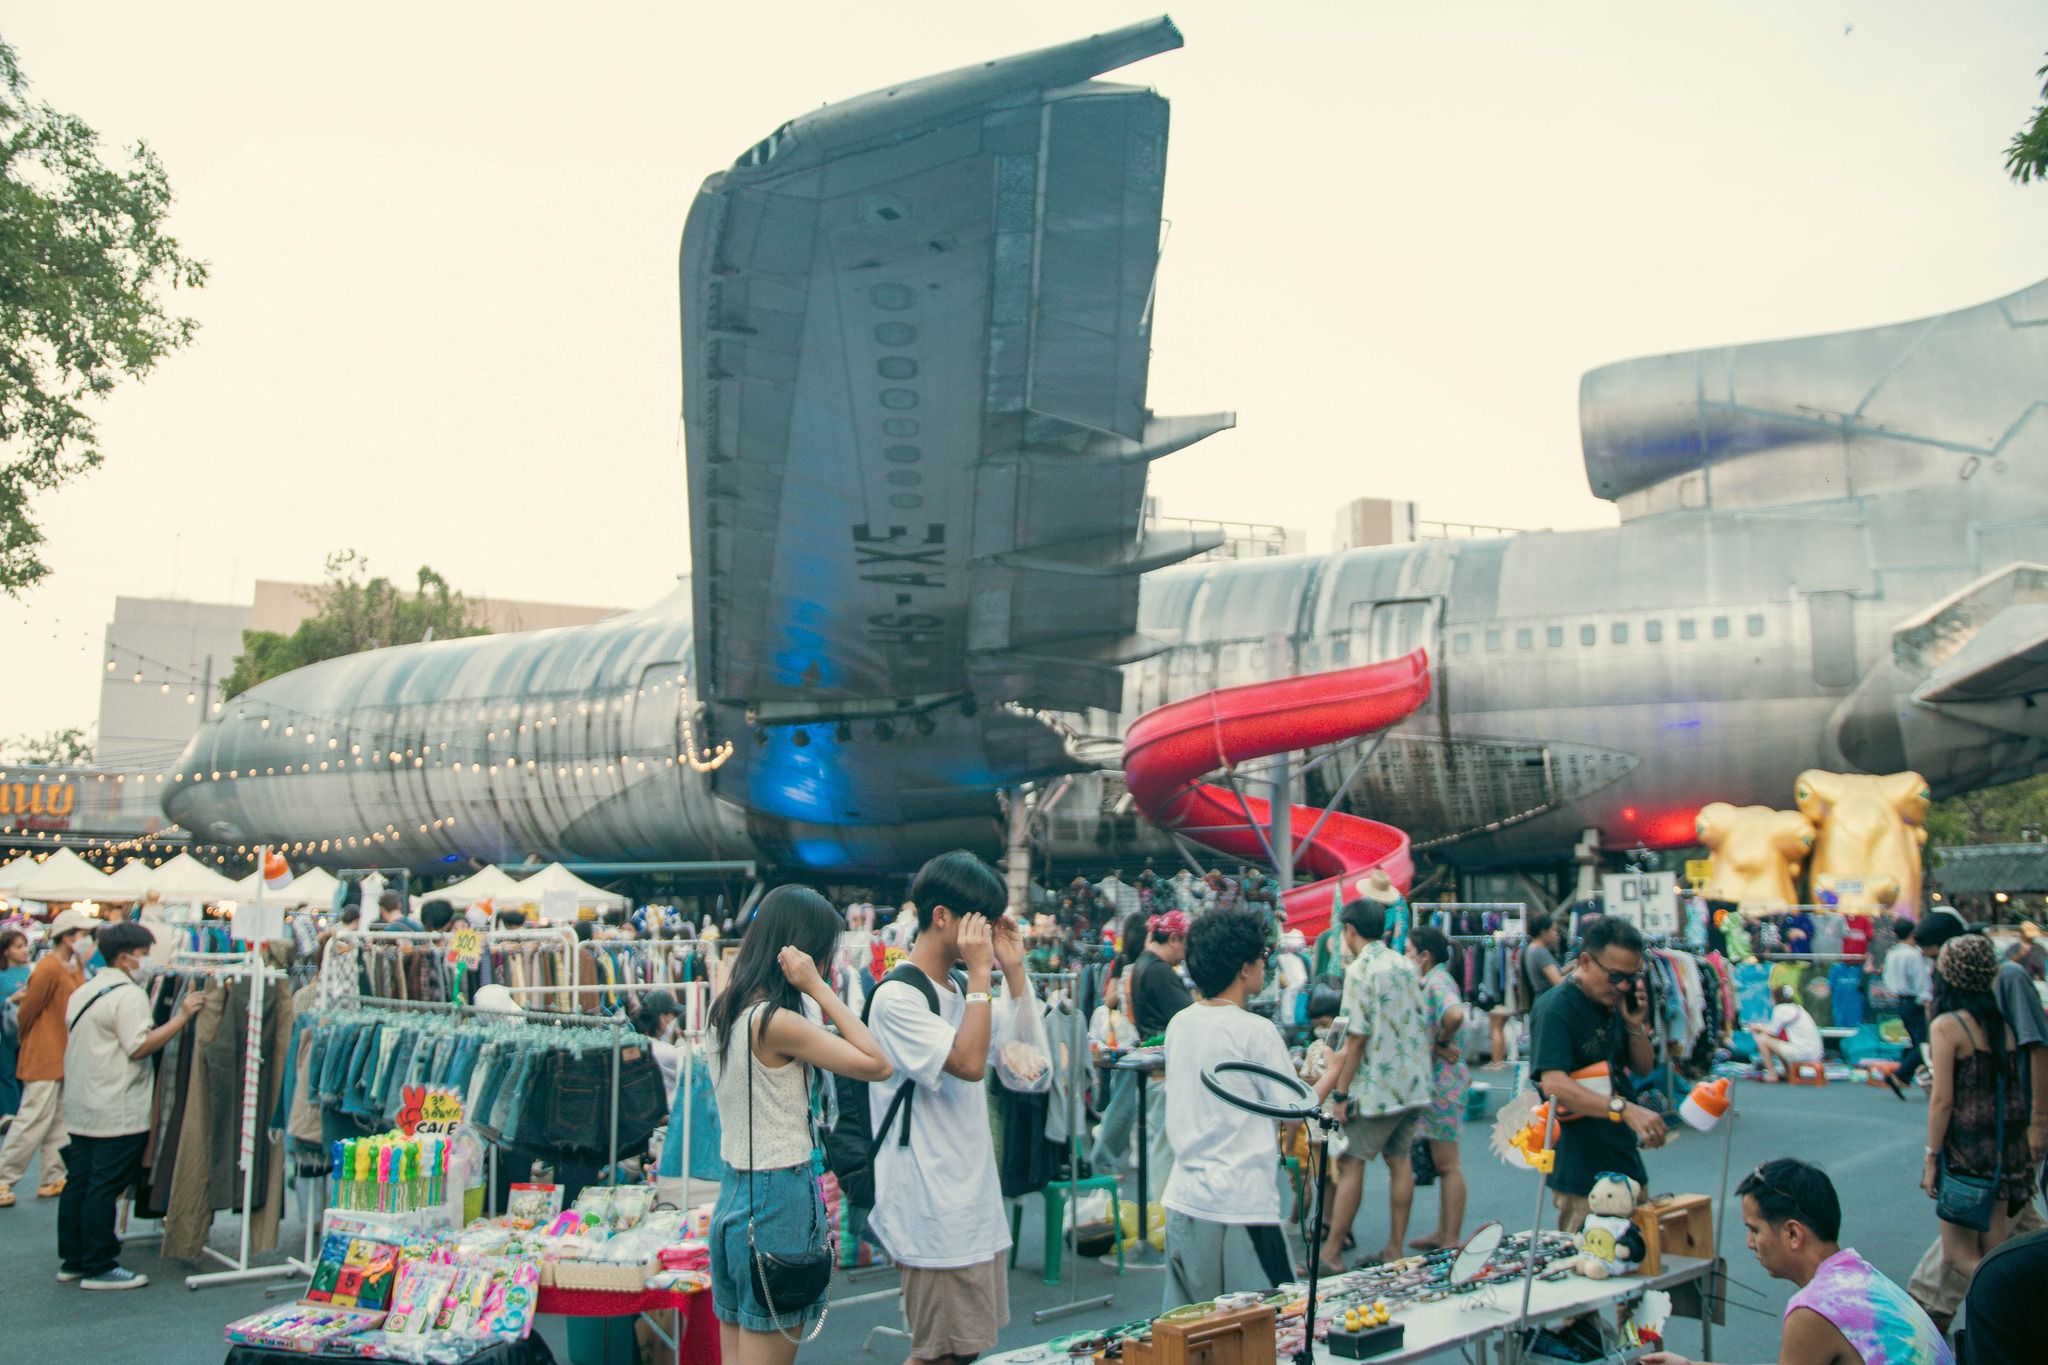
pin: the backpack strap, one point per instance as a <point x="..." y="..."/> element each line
<point x="906" y="1093"/>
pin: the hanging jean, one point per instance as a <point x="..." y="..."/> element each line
<point x="1112" y="1149"/>
<point x="705" y="1163"/>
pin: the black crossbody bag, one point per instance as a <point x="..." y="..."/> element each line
<point x="792" y="1281"/>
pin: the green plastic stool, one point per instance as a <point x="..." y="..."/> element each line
<point x="1056" y="1194"/>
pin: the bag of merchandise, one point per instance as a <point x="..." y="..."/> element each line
<point x="1023" y="1056"/>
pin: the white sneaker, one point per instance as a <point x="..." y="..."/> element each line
<point x="120" y="1277"/>
<point x="67" y="1276"/>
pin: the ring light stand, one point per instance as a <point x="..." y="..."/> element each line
<point x="1307" y="1109"/>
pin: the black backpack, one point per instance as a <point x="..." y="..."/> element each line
<point x="850" y="1143"/>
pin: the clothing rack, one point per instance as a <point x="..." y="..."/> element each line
<point x="333" y="987"/>
<point x="249" y="965"/>
<point x="616" y="1025"/>
<point x="1079" y="1079"/>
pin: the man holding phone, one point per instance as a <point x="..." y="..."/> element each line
<point x="1590" y="1034"/>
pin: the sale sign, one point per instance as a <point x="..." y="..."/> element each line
<point x="429" y="1113"/>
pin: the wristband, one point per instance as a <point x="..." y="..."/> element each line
<point x="977" y="997"/>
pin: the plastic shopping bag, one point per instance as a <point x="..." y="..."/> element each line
<point x="1023" y="1056"/>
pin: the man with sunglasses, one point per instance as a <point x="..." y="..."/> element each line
<point x="1846" y="1312"/>
<point x="1588" y="1035"/>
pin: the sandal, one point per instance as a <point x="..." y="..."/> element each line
<point x="50" y="1191"/>
<point x="6" y="1196"/>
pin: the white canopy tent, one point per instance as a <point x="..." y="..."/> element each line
<point x="17" y="872"/>
<point x="186" y="880"/>
<point x="555" y="877"/>
<point x="130" y="881"/>
<point x="314" y="887"/>
<point x="491" y="884"/>
<point x="63" y="876"/>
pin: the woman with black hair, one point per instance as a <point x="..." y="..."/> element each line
<point x="761" y="1079"/>
<point x="1979" y="1069"/>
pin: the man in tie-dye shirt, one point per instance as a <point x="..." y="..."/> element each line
<point x="1845" y="1312"/>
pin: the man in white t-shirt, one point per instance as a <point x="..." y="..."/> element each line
<point x="938" y="1201"/>
<point x="1791" y="1036"/>
<point x="1223" y="1198"/>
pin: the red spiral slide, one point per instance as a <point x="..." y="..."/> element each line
<point x="1169" y="750"/>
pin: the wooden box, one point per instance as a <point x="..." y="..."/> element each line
<point x="1675" y="1225"/>
<point x="1244" y="1336"/>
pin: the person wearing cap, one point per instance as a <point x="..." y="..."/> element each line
<point x="39" y="1123"/>
<point x="1980" y="1087"/>
<point x="657" y="1018"/>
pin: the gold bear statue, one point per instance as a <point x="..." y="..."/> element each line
<point x="1757" y="855"/>
<point x="1871" y="831"/>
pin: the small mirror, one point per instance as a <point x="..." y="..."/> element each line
<point x="1472" y="1257"/>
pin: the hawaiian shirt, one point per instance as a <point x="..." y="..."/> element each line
<point x="1383" y="1001"/>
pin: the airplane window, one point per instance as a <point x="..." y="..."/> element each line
<point x="1311" y="653"/>
<point x="1653" y="631"/>
<point x="1588" y="634"/>
<point x="1685" y="628"/>
<point x="1756" y="626"/>
<point x="1554" y="637"/>
<point x="1340" y="650"/>
<point x="1525" y="638"/>
<point x="1461" y="643"/>
<point x="1720" y="627"/>
<point x="1493" y="642"/>
<point x="1619" y="634"/>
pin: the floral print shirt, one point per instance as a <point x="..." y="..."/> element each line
<point x="1383" y="1001"/>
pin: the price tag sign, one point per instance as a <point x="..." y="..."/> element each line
<point x="429" y="1113"/>
<point x="1699" y="871"/>
<point x="466" y="946"/>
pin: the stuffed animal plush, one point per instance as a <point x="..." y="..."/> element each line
<point x="1610" y="1242"/>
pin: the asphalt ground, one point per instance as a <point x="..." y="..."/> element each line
<point x="1867" y="1140"/>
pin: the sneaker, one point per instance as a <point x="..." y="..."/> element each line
<point x="120" y="1277"/>
<point x="67" y="1276"/>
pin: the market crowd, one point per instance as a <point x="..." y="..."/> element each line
<point x="1174" y="976"/>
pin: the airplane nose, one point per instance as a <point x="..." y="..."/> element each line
<point x="195" y="801"/>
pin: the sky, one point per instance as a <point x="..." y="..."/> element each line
<point x="441" y="326"/>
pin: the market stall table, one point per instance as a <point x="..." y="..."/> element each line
<point x="532" y="1351"/>
<point x="1483" y="1317"/>
<point x="695" y="1344"/>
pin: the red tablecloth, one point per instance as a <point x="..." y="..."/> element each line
<point x="700" y="1328"/>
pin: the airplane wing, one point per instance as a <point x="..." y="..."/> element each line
<point x="2006" y="658"/>
<point x="915" y="339"/>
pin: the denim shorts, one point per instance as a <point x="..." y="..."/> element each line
<point x="789" y="1217"/>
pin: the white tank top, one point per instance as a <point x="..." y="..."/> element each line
<point x="782" y="1127"/>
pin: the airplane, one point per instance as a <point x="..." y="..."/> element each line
<point x="915" y="337"/>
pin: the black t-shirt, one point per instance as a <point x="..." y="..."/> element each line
<point x="1156" y="994"/>
<point x="2002" y="1323"/>
<point x="1570" y="1033"/>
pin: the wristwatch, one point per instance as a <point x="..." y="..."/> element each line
<point x="1615" y="1105"/>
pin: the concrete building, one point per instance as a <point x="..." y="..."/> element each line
<point x="166" y="659"/>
